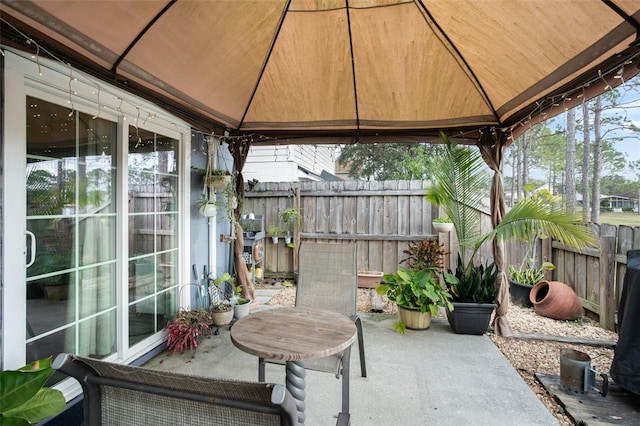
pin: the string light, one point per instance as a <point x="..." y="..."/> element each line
<point x="542" y="107"/>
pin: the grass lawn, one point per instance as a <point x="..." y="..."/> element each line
<point x="629" y="219"/>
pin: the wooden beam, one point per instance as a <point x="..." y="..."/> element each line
<point x="362" y="237"/>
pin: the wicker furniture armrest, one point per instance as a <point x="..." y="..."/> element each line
<point x="123" y="394"/>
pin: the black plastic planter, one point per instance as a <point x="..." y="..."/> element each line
<point x="470" y="318"/>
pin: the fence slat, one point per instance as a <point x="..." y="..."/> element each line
<point x="384" y="216"/>
<point x="608" y="303"/>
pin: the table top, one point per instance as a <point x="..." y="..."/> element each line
<point x="292" y="334"/>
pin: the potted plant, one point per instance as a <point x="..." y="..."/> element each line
<point x="417" y="294"/>
<point x="186" y="328"/>
<point x="222" y="294"/>
<point x="473" y="290"/>
<point x="242" y="307"/>
<point x="460" y="186"/>
<point x="522" y="280"/>
<point x="274" y="232"/>
<point x="222" y="313"/>
<point x="207" y="207"/>
<point x="523" y="277"/>
<point x="292" y="218"/>
<point x="442" y="224"/>
<point x="220" y="179"/>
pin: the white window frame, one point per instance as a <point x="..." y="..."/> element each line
<point x="51" y="81"/>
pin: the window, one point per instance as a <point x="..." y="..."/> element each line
<point x="71" y="212"/>
<point x="153" y="246"/>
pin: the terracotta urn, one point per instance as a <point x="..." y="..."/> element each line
<point x="554" y="299"/>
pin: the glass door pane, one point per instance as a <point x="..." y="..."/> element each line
<point x="153" y="242"/>
<point x="71" y="286"/>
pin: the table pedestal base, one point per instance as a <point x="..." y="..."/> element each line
<point x="296" y="384"/>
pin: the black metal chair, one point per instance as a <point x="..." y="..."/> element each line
<point x="122" y="394"/>
<point x="328" y="279"/>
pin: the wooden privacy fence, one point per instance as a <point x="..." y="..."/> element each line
<point x="596" y="274"/>
<point x="382" y="217"/>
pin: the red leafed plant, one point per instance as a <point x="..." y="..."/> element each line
<point x="428" y="253"/>
<point x="186" y="327"/>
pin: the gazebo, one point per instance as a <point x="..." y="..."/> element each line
<point x="345" y="71"/>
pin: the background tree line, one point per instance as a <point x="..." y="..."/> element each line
<point x="574" y="153"/>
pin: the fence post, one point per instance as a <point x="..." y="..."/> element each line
<point x="607" y="280"/>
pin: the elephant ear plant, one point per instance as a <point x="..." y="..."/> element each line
<point x="23" y="398"/>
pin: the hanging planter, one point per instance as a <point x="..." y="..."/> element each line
<point x="219" y="180"/>
<point x="206" y="207"/>
<point x="208" y="210"/>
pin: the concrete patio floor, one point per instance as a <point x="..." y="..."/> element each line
<point x="431" y="377"/>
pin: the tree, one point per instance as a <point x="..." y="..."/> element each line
<point x="387" y="161"/>
<point x="570" y="162"/>
<point x="597" y="149"/>
<point x="586" y="143"/>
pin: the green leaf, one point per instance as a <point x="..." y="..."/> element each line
<point x="18" y="386"/>
<point x="13" y="421"/>
<point x="47" y="402"/>
<point x="399" y="327"/>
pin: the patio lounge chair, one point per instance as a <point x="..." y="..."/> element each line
<point x="122" y="394"/>
<point x="328" y="279"/>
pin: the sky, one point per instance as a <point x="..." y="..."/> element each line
<point x="629" y="144"/>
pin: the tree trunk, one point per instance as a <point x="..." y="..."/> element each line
<point x="570" y="162"/>
<point x="597" y="150"/>
<point x="525" y="162"/>
<point x="586" y="147"/>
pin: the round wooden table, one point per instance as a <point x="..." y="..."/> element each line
<point x="293" y="335"/>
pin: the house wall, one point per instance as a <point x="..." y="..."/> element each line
<point x="282" y="163"/>
<point x="194" y="231"/>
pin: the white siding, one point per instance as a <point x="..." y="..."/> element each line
<point x="281" y="163"/>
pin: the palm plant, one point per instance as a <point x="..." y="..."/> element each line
<point x="462" y="182"/>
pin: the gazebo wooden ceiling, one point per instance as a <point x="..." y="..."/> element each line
<point x="339" y="71"/>
<point x="344" y="71"/>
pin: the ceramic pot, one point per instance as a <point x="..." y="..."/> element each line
<point x="555" y="300"/>
<point x="414" y="319"/>
<point x="208" y="210"/>
<point x="442" y="226"/>
<point x="241" y="310"/>
<point x="221" y="318"/>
